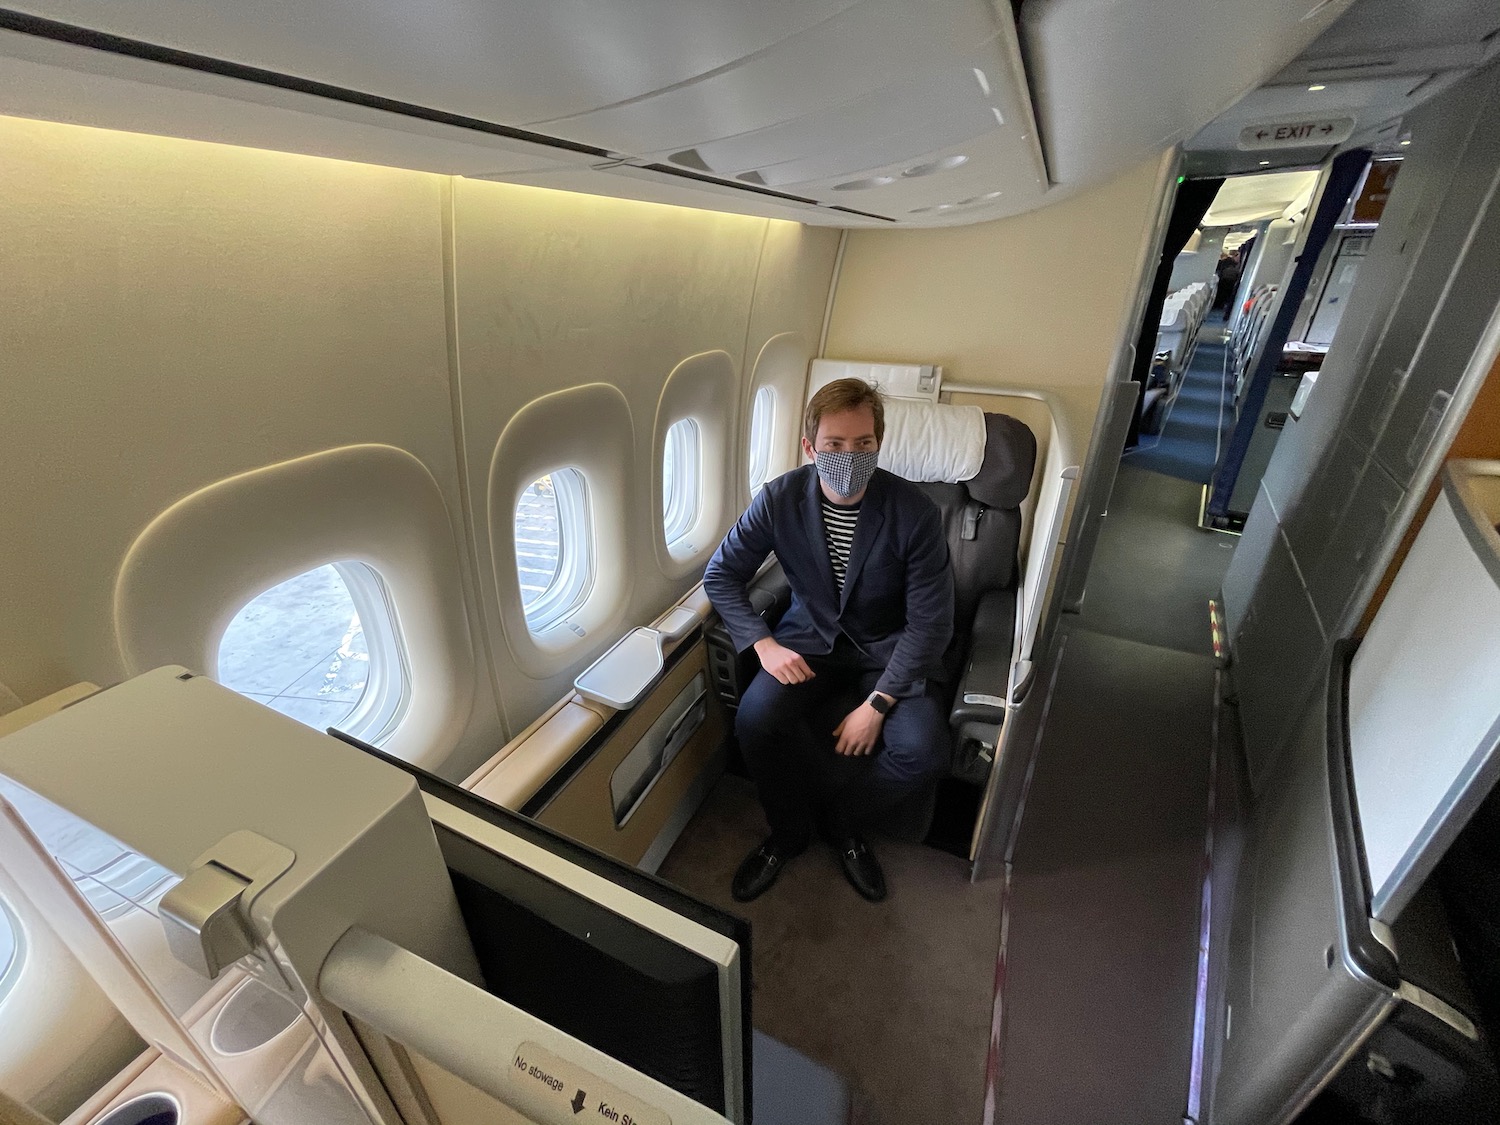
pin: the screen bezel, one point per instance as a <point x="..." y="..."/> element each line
<point x="513" y="836"/>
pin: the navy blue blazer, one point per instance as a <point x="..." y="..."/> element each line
<point x="897" y="601"/>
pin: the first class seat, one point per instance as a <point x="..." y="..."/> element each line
<point x="982" y="522"/>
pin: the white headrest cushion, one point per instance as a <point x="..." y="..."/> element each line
<point x="932" y="441"/>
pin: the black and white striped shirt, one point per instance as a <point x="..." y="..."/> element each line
<point x="838" y="524"/>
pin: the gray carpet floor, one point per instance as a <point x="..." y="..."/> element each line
<point x="1101" y="960"/>
<point x="1102" y="948"/>
<point x="895" y="997"/>
<point x="1154" y="570"/>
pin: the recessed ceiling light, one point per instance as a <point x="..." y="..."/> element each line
<point x="984" y="83"/>
<point x="1263" y="163"/>
<point x="1315" y="88"/>
<point x="932" y="166"/>
<point x="867" y="182"/>
<point x="999" y="117"/>
<point x="1406" y="142"/>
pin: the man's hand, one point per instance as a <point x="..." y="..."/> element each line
<point x="857" y="733"/>
<point x="781" y="662"/>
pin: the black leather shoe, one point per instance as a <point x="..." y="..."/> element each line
<point x="861" y="868"/>
<point x="761" y="868"/>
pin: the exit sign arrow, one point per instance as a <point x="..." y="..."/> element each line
<point x="577" y="1102"/>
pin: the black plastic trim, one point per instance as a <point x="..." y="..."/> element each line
<point x="1378" y="962"/>
<point x="740" y="185"/>
<point x="591" y="859"/>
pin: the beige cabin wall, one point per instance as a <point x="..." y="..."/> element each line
<point x="173" y="313"/>
<point x="1036" y="300"/>
<point x="558" y="290"/>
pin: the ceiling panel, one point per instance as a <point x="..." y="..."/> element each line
<point x="509" y="61"/>
<point x="61" y="82"/>
<point x="1113" y="81"/>
<point x="867" y="48"/>
<point x="1403" y="26"/>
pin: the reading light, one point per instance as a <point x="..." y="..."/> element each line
<point x="1405" y="143"/>
<point x="1263" y="163"/>
<point x="940" y="165"/>
<point x="1315" y="89"/>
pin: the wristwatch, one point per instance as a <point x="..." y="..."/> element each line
<point x="881" y="704"/>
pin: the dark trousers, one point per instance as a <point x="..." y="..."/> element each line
<point x="786" y="734"/>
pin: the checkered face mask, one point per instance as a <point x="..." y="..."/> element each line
<point x="847" y="474"/>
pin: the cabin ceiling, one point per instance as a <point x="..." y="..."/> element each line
<point x="1378" y="61"/>
<point x="838" y="112"/>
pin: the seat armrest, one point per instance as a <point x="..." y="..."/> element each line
<point x="986" y="680"/>
<point x="731" y="672"/>
<point x="770" y="594"/>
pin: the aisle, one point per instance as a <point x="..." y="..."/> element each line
<point x="1103" y="913"/>
<point x="1188" y="445"/>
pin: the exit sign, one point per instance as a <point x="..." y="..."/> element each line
<point x="1296" y="134"/>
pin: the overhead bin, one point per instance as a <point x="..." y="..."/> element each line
<point x="866" y="108"/>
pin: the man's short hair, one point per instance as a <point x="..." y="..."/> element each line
<point x="839" y="396"/>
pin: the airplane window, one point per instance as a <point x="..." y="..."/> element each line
<point x="324" y="648"/>
<point x="680" y="491"/>
<point x="762" y="436"/>
<point x="11" y="952"/>
<point x="553" y="560"/>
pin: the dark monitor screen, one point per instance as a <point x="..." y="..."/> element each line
<point x="585" y="970"/>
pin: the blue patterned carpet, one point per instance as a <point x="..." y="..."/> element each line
<point x="1188" y="444"/>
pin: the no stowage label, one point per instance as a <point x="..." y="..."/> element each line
<point x="568" y="1092"/>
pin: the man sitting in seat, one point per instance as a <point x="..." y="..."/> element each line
<point x="870" y="616"/>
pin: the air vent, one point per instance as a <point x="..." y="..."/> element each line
<point x="689" y="158"/>
<point x="751" y="178"/>
<point x="865" y="184"/>
<point x="1352" y="69"/>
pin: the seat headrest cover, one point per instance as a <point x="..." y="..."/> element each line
<point x="932" y="442"/>
<point x="1009" y="460"/>
<point x="991" y="455"/>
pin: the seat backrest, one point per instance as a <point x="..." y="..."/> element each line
<point x="981" y="515"/>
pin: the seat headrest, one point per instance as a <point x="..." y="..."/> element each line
<point x="932" y="441"/>
<point x="992" y="455"/>
<point x="1009" y="458"/>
